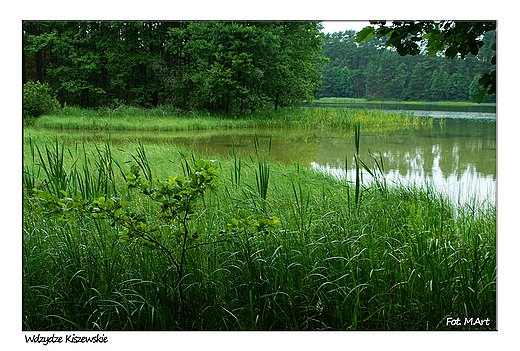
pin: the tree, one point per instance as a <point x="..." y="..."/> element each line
<point x="225" y="69"/>
<point x="370" y="80"/>
<point x="295" y="77"/>
<point x="450" y="38"/>
<point x="474" y="86"/>
<point x="346" y="82"/>
<point x="235" y="66"/>
<point x="417" y="84"/>
<point x="96" y="63"/>
<point x="338" y="82"/>
<point x="38" y="99"/>
<point x="400" y="81"/>
<point x="383" y="78"/>
<point x="438" y="85"/>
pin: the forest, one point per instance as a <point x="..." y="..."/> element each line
<point x="372" y="71"/>
<point x="192" y="65"/>
<point x="234" y="66"/>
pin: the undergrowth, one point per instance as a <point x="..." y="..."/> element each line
<point x="282" y="248"/>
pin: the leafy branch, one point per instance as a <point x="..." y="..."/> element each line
<point x="175" y="197"/>
<point x="451" y="38"/>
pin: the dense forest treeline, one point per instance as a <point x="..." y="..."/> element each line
<point x="230" y="66"/>
<point x="370" y="70"/>
<point x="233" y="66"/>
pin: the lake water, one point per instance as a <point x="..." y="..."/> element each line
<point x="457" y="157"/>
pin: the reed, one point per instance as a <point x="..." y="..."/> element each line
<point x="237" y="165"/>
<point x="262" y="176"/>
<point x="158" y="120"/>
<point x="357" y="136"/>
<point x="406" y="259"/>
<point x="58" y="168"/>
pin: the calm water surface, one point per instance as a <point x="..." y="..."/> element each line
<point x="458" y="157"/>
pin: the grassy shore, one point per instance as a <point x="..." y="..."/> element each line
<point x="361" y="100"/>
<point x="162" y="119"/>
<point x="391" y="258"/>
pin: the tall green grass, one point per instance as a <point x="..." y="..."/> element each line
<point x="78" y="171"/>
<point x="262" y="177"/>
<point x="159" y="119"/>
<point x="399" y="259"/>
<point x="360" y="100"/>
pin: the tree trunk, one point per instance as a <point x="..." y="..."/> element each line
<point x="227" y="103"/>
<point x="84" y="97"/>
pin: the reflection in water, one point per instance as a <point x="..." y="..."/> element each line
<point x="457" y="157"/>
<point x="463" y="186"/>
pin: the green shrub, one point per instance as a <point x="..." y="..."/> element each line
<point x="38" y="99"/>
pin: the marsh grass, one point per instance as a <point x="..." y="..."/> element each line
<point x="159" y="119"/>
<point x="360" y="100"/>
<point x="400" y="259"/>
<point x="262" y="176"/>
<point x="91" y="173"/>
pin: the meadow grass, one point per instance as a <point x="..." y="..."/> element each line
<point x="162" y="119"/>
<point x="394" y="258"/>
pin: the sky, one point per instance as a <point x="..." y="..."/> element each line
<point x="336" y="26"/>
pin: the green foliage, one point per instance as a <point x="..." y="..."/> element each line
<point x="225" y="66"/>
<point x="451" y="37"/>
<point x="406" y="259"/>
<point x="38" y="99"/>
<point x="454" y="39"/>
<point x="365" y="34"/>
<point x="98" y="63"/>
<point x="265" y="225"/>
<point x="371" y="69"/>
<point x="66" y="209"/>
<point x="176" y="194"/>
<point x="239" y="66"/>
<point x="175" y="197"/>
<point x="488" y="82"/>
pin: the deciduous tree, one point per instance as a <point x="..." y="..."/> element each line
<point x="238" y="66"/>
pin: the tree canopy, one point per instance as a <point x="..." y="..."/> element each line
<point x="242" y="66"/>
<point x="370" y="69"/>
<point x="229" y="66"/>
<point x="449" y="38"/>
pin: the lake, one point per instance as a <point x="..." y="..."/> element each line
<point x="457" y="156"/>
